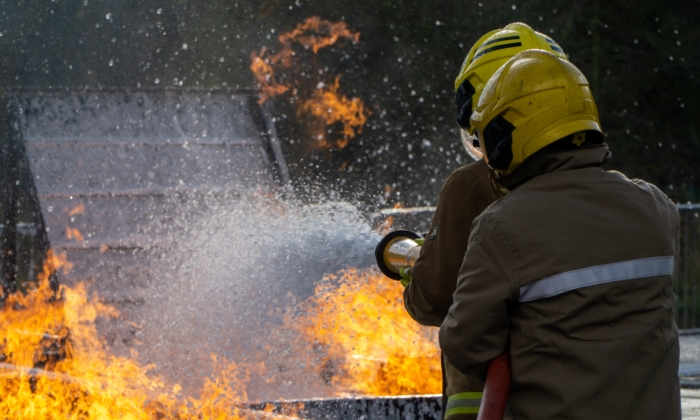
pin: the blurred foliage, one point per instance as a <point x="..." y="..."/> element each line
<point x="639" y="57"/>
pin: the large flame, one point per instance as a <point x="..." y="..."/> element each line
<point x="372" y="345"/>
<point x="53" y="365"/>
<point x="323" y="102"/>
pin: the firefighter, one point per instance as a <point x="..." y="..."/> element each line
<point x="465" y="194"/>
<point x="571" y="269"/>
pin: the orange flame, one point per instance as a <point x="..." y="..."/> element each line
<point x="262" y="70"/>
<point x="72" y="233"/>
<point x="325" y="33"/>
<point x="52" y="365"/>
<point x="328" y="106"/>
<point x="80" y="209"/>
<point x="371" y="343"/>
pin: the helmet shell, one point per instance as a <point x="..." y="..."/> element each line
<point x="533" y="100"/>
<point x="491" y="51"/>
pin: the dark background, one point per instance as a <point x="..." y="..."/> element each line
<point x="641" y="59"/>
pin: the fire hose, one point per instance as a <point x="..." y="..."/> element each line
<point x="398" y="251"/>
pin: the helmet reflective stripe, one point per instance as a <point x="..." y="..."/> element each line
<point x="600" y="274"/>
<point x="493" y="41"/>
<point x="556" y="48"/>
<point x="485" y="57"/>
<point x="496" y="48"/>
<point x="463" y="403"/>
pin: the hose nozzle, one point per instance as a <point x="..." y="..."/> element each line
<point x="395" y="251"/>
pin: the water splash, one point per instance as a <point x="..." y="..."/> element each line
<point x="231" y="276"/>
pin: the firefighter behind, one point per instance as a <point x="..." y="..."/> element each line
<point x="465" y="194"/>
<point x="571" y="269"/>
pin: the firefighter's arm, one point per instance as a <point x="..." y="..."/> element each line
<point x="434" y="277"/>
<point x="476" y="329"/>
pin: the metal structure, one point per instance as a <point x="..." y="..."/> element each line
<point x="417" y="407"/>
<point x="687" y="277"/>
<point x="102" y="174"/>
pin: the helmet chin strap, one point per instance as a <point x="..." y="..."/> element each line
<point x="498" y="189"/>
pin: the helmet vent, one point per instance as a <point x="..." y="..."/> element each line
<point x="498" y="141"/>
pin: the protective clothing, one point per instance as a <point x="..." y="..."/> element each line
<point x="532" y="101"/>
<point x="485" y="57"/>
<point x="464" y="195"/>
<point x="571" y="272"/>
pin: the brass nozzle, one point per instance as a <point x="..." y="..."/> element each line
<point x="395" y="251"/>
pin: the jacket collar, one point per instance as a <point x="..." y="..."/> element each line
<point x="548" y="161"/>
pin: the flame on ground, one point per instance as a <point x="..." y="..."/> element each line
<point x="325" y="105"/>
<point x="53" y="365"/>
<point x="371" y="344"/>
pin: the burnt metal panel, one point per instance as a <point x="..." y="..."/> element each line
<point x="119" y="168"/>
<point x="413" y="407"/>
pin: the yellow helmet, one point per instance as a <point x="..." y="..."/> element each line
<point x="486" y="56"/>
<point x="531" y="102"/>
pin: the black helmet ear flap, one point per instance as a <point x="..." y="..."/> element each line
<point x="464" y="98"/>
<point x="498" y="142"/>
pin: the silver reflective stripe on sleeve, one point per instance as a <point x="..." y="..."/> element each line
<point x="600" y="274"/>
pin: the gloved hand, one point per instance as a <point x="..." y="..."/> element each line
<point x="405" y="274"/>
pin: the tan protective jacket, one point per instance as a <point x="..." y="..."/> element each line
<point x="465" y="194"/>
<point x="571" y="272"/>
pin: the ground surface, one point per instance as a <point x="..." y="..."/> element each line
<point x="690" y="403"/>
<point x="690" y="398"/>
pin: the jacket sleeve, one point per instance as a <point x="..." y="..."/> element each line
<point x="477" y="328"/>
<point x="434" y="277"/>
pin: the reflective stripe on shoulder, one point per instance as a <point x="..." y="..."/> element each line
<point x="600" y="274"/>
<point x="463" y="403"/>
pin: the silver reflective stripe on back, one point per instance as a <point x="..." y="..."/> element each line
<point x="600" y="274"/>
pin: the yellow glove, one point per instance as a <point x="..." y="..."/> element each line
<point x="405" y="274"/>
